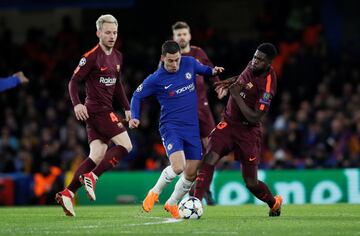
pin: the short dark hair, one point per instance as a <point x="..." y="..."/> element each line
<point x="269" y="49"/>
<point x="180" y="25"/>
<point x="170" y="46"/>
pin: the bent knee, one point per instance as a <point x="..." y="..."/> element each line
<point x="211" y="158"/>
<point x="191" y="177"/>
<point x="178" y="169"/>
<point x="128" y="147"/>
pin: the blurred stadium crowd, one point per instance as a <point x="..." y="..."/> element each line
<point x="314" y="120"/>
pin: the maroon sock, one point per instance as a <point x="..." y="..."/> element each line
<point x="257" y="187"/>
<point x="192" y="190"/>
<point x="86" y="166"/>
<point x="203" y="180"/>
<point x="111" y="159"/>
<point x="262" y="192"/>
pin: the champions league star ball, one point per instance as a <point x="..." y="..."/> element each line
<point x="190" y="208"/>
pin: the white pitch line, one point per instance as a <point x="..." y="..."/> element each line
<point x="162" y="221"/>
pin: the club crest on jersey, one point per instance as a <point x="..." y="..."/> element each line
<point x="169" y="146"/>
<point x="82" y="61"/>
<point x="139" y="88"/>
<point x="117" y="68"/>
<point x="188" y="75"/>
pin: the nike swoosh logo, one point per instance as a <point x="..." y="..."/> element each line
<point x="252" y="158"/>
<point x="103" y="68"/>
<point x="166" y="87"/>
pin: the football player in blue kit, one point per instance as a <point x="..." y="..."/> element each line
<point x="173" y="84"/>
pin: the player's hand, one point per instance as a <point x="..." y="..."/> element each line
<point x="127" y="115"/>
<point x="22" y="77"/>
<point x="81" y="112"/>
<point x="221" y="92"/>
<point x="217" y="70"/>
<point x="134" y="123"/>
<point x="225" y="83"/>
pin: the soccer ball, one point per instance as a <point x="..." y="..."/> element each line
<point x="190" y="208"/>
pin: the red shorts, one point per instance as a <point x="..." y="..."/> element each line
<point x="206" y="121"/>
<point x="244" y="140"/>
<point x="103" y="126"/>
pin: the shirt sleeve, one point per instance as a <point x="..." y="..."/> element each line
<point x="266" y="94"/>
<point x="80" y="73"/>
<point x="202" y="69"/>
<point x="9" y="82"/>
<point x="147" y="88"/>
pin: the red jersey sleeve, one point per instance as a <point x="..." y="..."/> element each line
<point x="267" y="92"/>
<point x="81" y="72"/>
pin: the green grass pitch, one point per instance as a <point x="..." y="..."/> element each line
<point x="338" y="219"/>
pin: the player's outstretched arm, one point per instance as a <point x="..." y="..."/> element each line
<point x="226" y="82"/>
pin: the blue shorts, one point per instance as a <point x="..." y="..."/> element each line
<point x="176" y="141"/>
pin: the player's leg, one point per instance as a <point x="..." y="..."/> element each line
<point x="220" y="143"/>
<point x="208" y="194"/>
<point x="248" y="151"/>
<point x="114" y="154"/>
<point x="176" y="167"/>
<point x="109" y="160"/>
<point x="206" y="124"/>
<point x="260" y="189"/>
<point x="204" y="143"/>
<point x="205" y="174"/>
<point x="111" y="129"/>
<point x="97" y="151"/>
<point x="192" y="153"/>
<point x="66" y="197"/>
<point x="182" y="187"/>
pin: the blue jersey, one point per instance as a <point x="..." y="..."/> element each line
<point x="175" y="93"/>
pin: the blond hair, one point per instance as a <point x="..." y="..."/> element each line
<point x="105" y="19"/>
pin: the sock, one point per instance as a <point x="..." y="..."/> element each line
<point x="262" y="192"/>
<point x="181" y="188"/>
<point x="166" y="177"/>
<point x="203" y="180"/>
<point x="111" y="159"/>
<point x="86" y="166"/>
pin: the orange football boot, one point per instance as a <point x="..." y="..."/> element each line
<point x="149" y="201"/>
<point x="173" y="209"/>
<point x="276" y="209"/>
